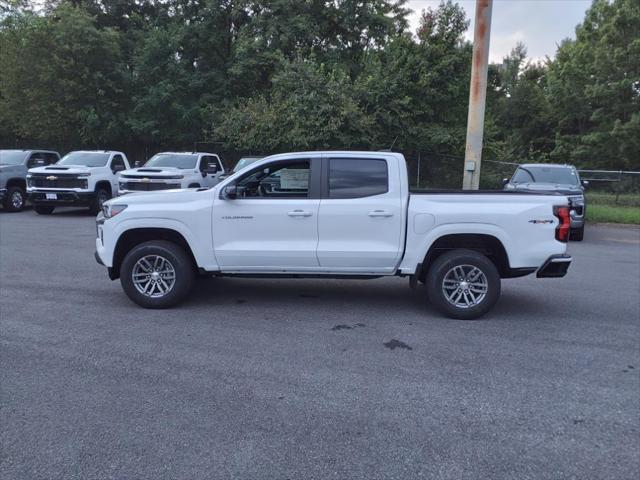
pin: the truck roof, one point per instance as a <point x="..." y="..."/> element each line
<point x="186" y="153"/>
<point x="346" y="153"/>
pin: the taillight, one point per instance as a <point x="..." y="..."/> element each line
<point x="564" y="226"/>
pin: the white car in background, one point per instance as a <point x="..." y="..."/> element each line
<point x="85" y="178"/>
<point x="173" y="170"/>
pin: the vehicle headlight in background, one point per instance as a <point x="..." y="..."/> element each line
<point x="577" y="200"/>
<point x="112" y="210"/>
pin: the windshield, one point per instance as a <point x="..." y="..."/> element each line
<point x="12" y="157"/>
<point x="243" y="162"/>
<point x="182" y="161"/>
<point x="85" y="159"/>
<point x="565" y="176"/>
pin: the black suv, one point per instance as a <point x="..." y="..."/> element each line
<point x="563" y="179"/>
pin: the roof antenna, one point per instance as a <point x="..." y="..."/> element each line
<point x="392" y="144"/>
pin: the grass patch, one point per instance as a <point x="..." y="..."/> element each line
<point x="613" y="214"/>
<point x="622" y="200"/>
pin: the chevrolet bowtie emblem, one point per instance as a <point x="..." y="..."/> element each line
<point x="52" y="177"/>
<point x="145" y="180"/>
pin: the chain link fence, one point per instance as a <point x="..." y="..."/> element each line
<point x="435" y="171"/>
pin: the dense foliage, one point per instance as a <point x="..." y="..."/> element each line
<point x="261" y="76"/>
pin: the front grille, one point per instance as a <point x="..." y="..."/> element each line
<point x="60" y="181"/>
<point x="147" y="186"/>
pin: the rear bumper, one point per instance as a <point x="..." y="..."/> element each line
<point x="555" y="266"/>
<point x="64" y="198"/>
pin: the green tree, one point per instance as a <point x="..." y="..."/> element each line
<point x="594" y="89"/>
<point x="55" y="89"/>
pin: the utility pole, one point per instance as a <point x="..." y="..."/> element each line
<point x="477" y="95"/>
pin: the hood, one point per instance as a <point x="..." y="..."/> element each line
<point x="11" y="168"/>
<point x="152" y="172"/>
<point x="63" y="169"/>
<point x="564" y="189"/>
<point x="174" y="196"/>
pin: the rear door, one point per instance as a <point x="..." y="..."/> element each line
<point x="360" y="216"/>
<point x="272" y="223"/>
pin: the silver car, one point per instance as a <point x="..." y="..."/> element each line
<point x="13" y="174"/>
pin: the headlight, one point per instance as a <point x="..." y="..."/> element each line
<point x="112" y="210"/>
<point x="88" y="174"/>
<point x="174" y="177"/>
<point x="577" y="200"/>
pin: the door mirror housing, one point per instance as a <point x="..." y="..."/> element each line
<point x="230" y="192"/>
<point x="137" y="164"/>
<point x="210" y="170"/>
<point x="585" y="183"/>
<point x="505" y="181"/>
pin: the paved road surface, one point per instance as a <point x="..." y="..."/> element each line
<point x="313" y="379"/>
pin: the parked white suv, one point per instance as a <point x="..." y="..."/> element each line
<point x="81" y="178"/>
<point x="173" y="170"/>
<point x="333" y="214"/>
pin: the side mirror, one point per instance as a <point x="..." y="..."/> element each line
<point x="137" y="164"/>
<point x="210" y="170"/>
<point x="505" y="181"/>
<point x="231" y="192"/>
<point x="585" y="184"/>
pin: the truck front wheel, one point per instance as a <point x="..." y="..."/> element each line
<point x="463" y="284"/>
<point x="157" y="274"/>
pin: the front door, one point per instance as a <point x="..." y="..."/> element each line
<point x="272" y="223"/>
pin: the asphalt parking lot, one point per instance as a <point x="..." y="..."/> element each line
<point x="288" y="379"/>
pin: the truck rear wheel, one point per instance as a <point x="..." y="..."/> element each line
<point x="576" y="234"/>
<point x="463" y="284"/>
<point x="157" y="274"/>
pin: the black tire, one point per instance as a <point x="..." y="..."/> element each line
<point x="14" y="200"/>
<point x="577" y="234"/>
<point x="180" y="261"/>
<point x="102" y="195"/>
<point x="43" y="209"/>
<point x="467" y="259"/>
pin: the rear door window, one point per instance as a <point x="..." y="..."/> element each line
<point x="356" y="178"/>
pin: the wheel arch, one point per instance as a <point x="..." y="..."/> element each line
<point x="103" y="184"/>
<point x="487" y="244"/>
<point x="129" y="239"/>
<point x="17" y="182"/>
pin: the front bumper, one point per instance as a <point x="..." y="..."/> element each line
<point x="62" y="198"/>
<point x="555" y="266"/>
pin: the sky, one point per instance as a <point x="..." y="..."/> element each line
<point x="540" y="24"/>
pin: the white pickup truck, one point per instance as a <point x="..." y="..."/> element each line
<point x="333" y="214"/>
<point x="79" y="179"/>
<point x="173" y="170"/>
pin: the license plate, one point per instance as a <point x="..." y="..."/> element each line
<point x="51" y="196"/>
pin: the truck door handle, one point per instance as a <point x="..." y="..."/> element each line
<point x="299" y="213"/>
<point x="380" y="213"/>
